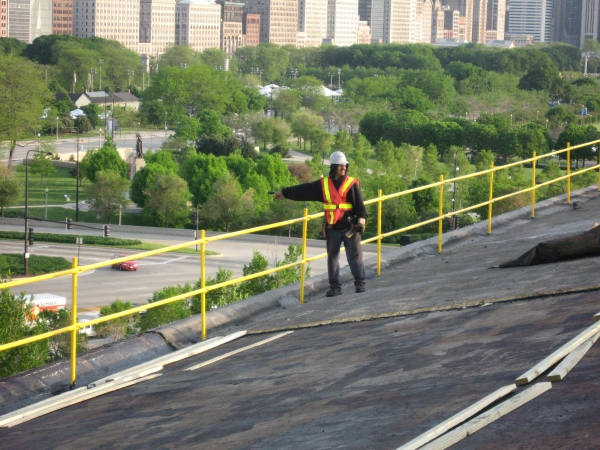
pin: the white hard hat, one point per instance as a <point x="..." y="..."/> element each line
<point x="338" y="158"/>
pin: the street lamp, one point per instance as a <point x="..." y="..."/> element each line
<point x="416" y="162"/>
<point x="25" y="254"/>
<point x="595" y="150"/>
<point x="511" y="120"/>
<point x="57" y="128"/>
<point x="46" y="210"/>
<point x="99" y="137"/>
<point x="331" y="86"/>
<point x="101" y="62"/>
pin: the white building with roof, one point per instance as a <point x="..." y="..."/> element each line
<point x="531" y="17"/>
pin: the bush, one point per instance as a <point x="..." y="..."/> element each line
<point x="70" y="239"/>
<point x="116" y="328"/>
<point x="38" y="265"/>
<point x="283" y="150"/>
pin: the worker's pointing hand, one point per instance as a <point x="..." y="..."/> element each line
<point x="278" y="195"/>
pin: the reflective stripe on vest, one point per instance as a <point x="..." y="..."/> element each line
<point x="334" y="200"/>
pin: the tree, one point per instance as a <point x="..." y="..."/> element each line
<point x="304" y="123"/>
<point x="162" y="315"/>
<point x="91" y="112"/>
<point x="287" y="101"/>
<point x="116" y="328"/>
<point x="60" y="345"/>
<point x="23" y="95"/>
<point x="41" y="164"/>
<point x="167" y="197"/>
<point x="16" y="323"/>
<point x="10" y="187"/>
<point x="107" y="194"/>
<point x="227" y="205"/>
<point x="105" y="158"/>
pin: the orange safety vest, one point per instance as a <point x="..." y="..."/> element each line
<point x="334" y="200"/>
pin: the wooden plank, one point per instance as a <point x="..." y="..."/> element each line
<point x="596" y="317"/>
<point x="458" y="418"/>
<point x="32" y="410"/>
<point x="92" y="393"/>
<point x="559" y="354"/>
<point x="235" y="352"/>
<point x="488" y="417"/>
<point x="173" y="357"/>
<point x="571" y="360"/>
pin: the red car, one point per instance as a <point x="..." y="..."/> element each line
<point x="127" y="265"/>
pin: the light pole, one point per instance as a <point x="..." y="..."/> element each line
<point x="99" y="137"/>
<point x="101" y="62"/>
<point x="25" y="254"/>
<point x="339" y="80"/>
<point x="46" y="210"/>
<point x="416" y="162"/>
<point x="511" y="120"/>
<point x="546" y="123"/>
<point x="57" y="128"/>
<point x="130" y="73"/>
<point x="331" y="86"/>
<point x="582" y="108"/>
<point x="595" y="150"/>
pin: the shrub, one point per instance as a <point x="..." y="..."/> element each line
<point x="70" y="239"/>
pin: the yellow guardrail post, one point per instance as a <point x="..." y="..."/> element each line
<point x="491" y="198"/>
<point x="73" y="322"/>
<point x="203" y="282"/>
<point x="569" y="172"/>
<point x="303" y="265"/>
<point x="379" y="209"/>
<point x="533" y="186"/>
<point x="440" y="222"/>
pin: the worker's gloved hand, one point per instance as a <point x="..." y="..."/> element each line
<point x="360" y="226"/>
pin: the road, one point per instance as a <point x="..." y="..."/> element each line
<point x="152" y="140"/>
<point x="101" y="287"/>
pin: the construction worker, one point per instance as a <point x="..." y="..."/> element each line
<point x="345" y="218"/>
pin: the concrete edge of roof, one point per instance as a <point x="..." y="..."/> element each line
<point x="33" y="385"/>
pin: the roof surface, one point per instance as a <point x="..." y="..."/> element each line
<point x="433" y="335"/>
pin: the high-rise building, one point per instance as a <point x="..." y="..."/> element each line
<point x="62" y="17"/>
<point x="3" y="18"/>
<point x="496" y="20"/>
<point x="437" y="22"/>
<point x="278" y="20"/>
<point x="118" y="20"/>
<point x="427" y="21"/>
<point x="451" y="23"/>
<point x="465" y="9"/>
<point x="480" y="8"/>
<point x="157" y="26"/>
<point x="198" y="24"/>
<point x="363" y="34"/>
<point x="28" y="19"/>
<point x="398" y="21"/>
<point x="364" y="10"/>
<point x="251" y="29"/>
<point x="590" y="10"/>
<point x="232" y="19"/>
<point x="531" y="17"/>
<point x="312" y="21"/>
<point x="342" y="22"/>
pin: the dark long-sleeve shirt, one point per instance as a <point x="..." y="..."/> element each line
<point x="313" y="192"/>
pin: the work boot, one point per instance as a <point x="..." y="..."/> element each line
<point x="333" y="292"/>
<point x="360" y="288"/>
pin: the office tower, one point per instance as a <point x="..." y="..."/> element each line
<point x="479" y="21"/>
<point x="589" y="20"/>
<point x="62" y="17"/>
<point x="451" y="23"/>
<point x="232" y="19"/>
<point x="531" y="17"/>
<point x="426" y="21"/>
<point x="398" y="21"/>
<point x="3" y="18"/>
<point x="342" y="22"/>
<point x="437" y="22"/>
<point x="157" y="26"/>
<point x="363" y="33"/>
<point x="278" y="20"/>
<point x="364" y="10"/>
<point x="198" y="24"/>
<point x="312" y="21"/>
<point x="496" y="15"/>
<point x="118" y="20"/>
<point x="28" y="19"/>
<point x="251" y="29"/>
<point x="465" y="25"/>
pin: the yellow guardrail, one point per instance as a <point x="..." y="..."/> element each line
<point x="76" y="270"/>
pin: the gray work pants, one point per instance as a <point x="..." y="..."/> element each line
<point x="354" y="255"/>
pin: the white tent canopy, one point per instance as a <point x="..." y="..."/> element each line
<point x="76" y="113"/>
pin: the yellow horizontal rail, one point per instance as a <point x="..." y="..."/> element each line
<point x="203" y="290"/>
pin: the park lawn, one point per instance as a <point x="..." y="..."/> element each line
<point x="61" y="214"/>
<point x="59" y="183"/>
<point x="11" y="264"/>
